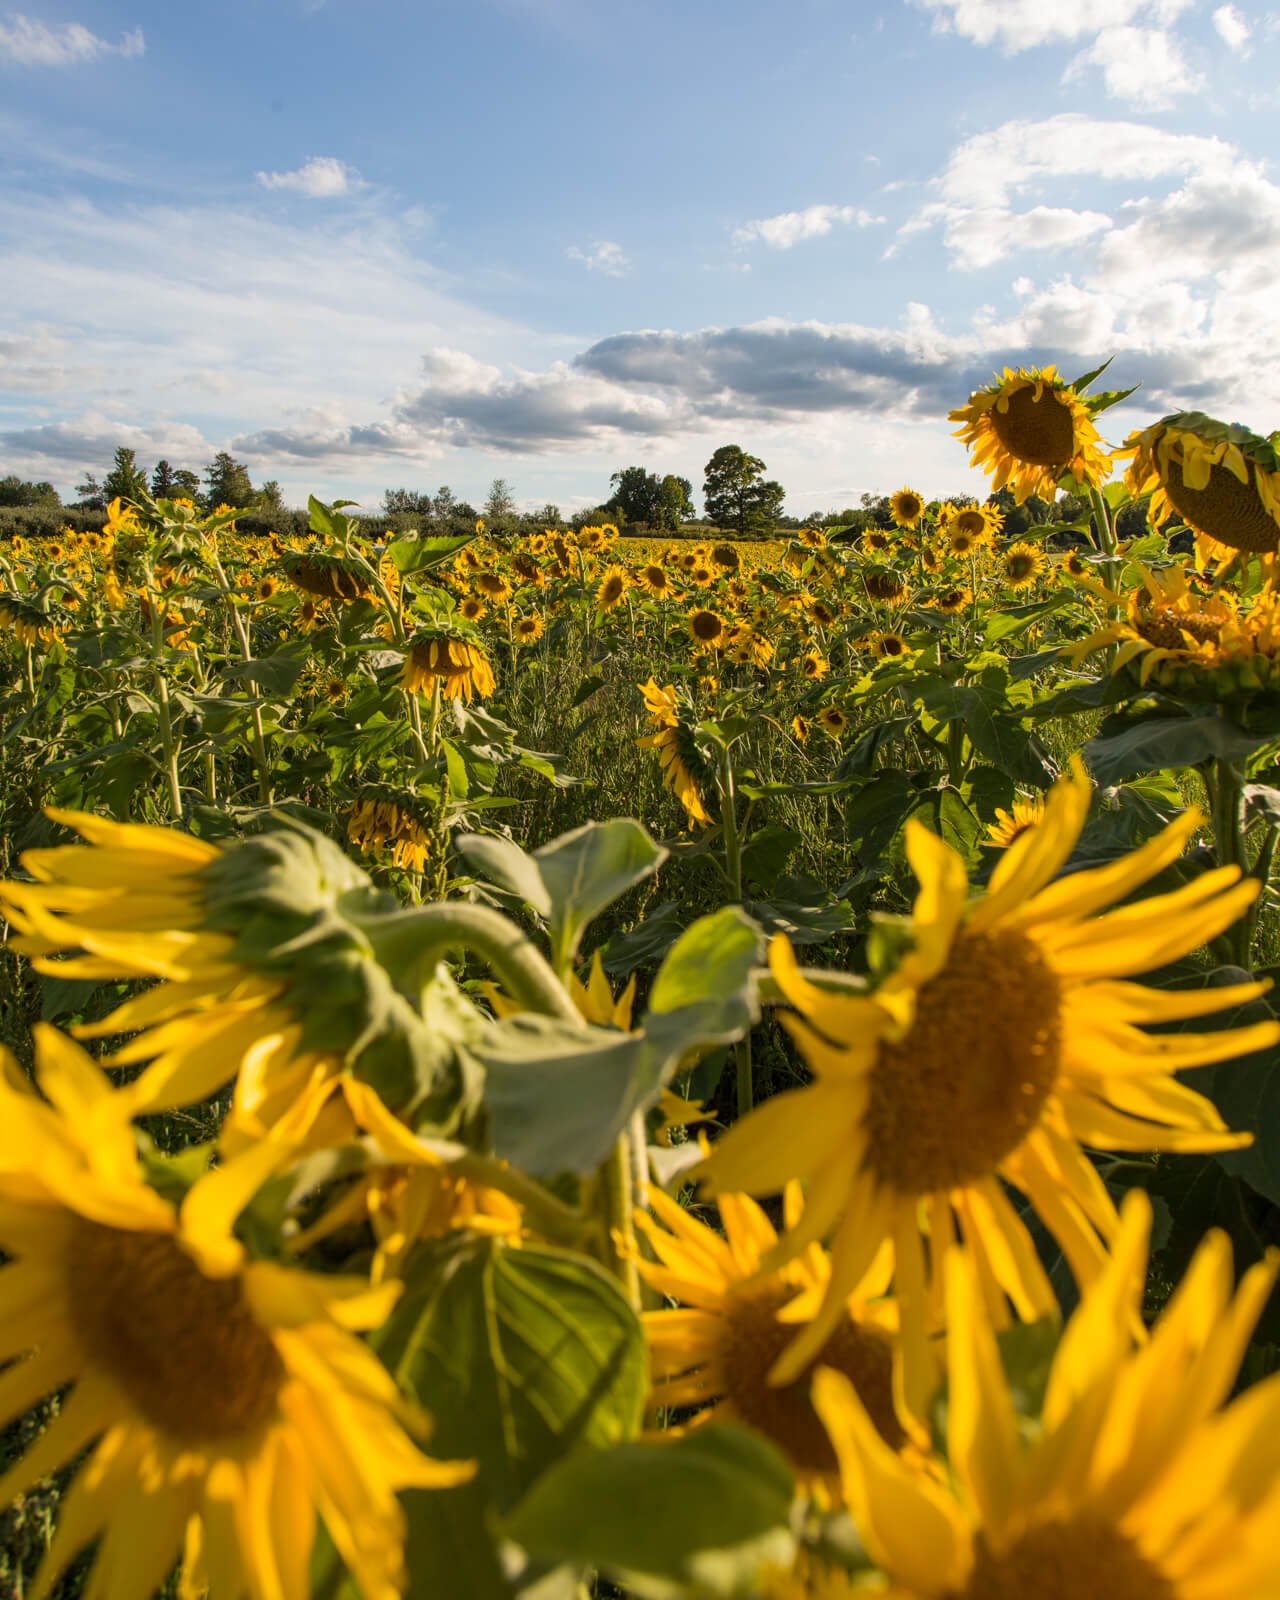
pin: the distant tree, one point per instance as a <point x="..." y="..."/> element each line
<point x="675" y="503"/>
<point x="500" y="502"/>
<point x="227" y="483"/>
<point x="876" y="508"/>
<point x="186" y="484"/>
<point x="635" y="495"/>
<point x="16" y="491"/>
<point x="593" y="516"/>
<point x="547" y="516"/>
<point x="268" y="500"/>
<point x="91" y="494"/>
<point x="1032" y="513"/>
<point x="444" y="503"/>
<point x="163" y="481"/>
<point x="464" y="511"/>
<point x="126" y="480"/>
<point x="738" y="495"/>
<point x="407" y="503"/>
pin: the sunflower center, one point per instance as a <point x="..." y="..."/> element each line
<point x="1166" y="629"/>
<point x="1076" y="1560"/>
<point x="971" y="522"/>
<point x="1041" y="432"/>
<point x="964" y="1087"/>
<point x="753" y="1339"/>
<point x="705" y="625"/>
<point x="1020" y="566"/>
<point x="1226" y="509"/>
<point x="185" y="1349"/>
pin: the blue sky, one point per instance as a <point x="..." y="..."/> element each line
<point x="412" y="244"/>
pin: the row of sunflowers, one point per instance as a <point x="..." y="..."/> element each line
<point x="396" y="1200"/>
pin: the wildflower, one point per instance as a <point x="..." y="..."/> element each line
<point x="1025" y="986"/>
<point x="1132" y="1484"/>
<point x="1029" y="428"/>
<point x="225" y="1400"/>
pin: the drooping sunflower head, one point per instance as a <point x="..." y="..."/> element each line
<point x="1021" y="564"/>
<point x="906" y="508"/>
<point x="952" y="601"/>
<point x="393" y="824"/>
<point x="1029" y="428"/>
<point x="1219" y="478"/>
<point x="452" y="659"/>
<point x="884" y="585"/>
<point x="328" y="577"/>
<point x="725" y="557"/>
<point x="684" y="769"/>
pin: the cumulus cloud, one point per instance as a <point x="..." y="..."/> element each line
<point x="94" y="435"/>
<point x="320" y="178"/>
<point x="37" y="44"/>
<point x="603" y="256"/>
<point x="982" y="235"/>
<point x="1232" y="28"/>
<point x="1143" y="66"/>
<point x="790" y="227"/>
<point x="1022" y="24"/>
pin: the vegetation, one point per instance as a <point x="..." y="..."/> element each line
<point x="802" y="995"/>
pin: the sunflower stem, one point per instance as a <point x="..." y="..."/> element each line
<point x="733" y="873"/>
<point x="155" y="604"/>
<point x="409" y="943"/>
<point x="616" y="1199"/>
<point x="1227" y="800"/>
<point x="265" y="792"/>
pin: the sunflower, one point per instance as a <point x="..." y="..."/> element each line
<point x="457" y="664"/>
<point x="1132" y="1484"/>
<point x="527" y="630"/>
<point x="224" y="1400"/>
<point x="1076" y="566"/>
<point x="716" y="1349"/>
<point x="737" y="590"/>
<point x="906" y="508"/>
<point x="801" y="726"/>
<point x="1029" y="428"/>
<point x="1021" y="564"/>
<point x="677" y="752"/>
<point x="876" y="539"/>
<point x="832" y="721"/>
<point x="703" y="575"/>
<point x="962" y="543"/>
<point x="593" y="539"/>
<point x="655" y="580"/>
<point x="819" y="612"/>
<point x="813" y="537"/>
<point x="377" y="825"/>
<point x="889" y="646"/>
<point x="613" y="586"/>
<point x="814" y="666"/>
<point x="266" y="588"/>
<point x="471" y="608"/>
<point x="1219" y="478"/>
<point x="1011" y="825"/>
<point x="980" y="523"/>
<point x="725" y="557"/>
<point x="308" y="614"/>
<point x="1025" y="986"/>
<point x="221" y="927"/>
<point x="884" y="585"/>
<point x="494" y="585"/>
<point x="951" y="601"/>
<point x="325" y="576"/>
<point x="706" y="628"/>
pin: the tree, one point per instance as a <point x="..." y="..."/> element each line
<point x="635" y="495"/>
<point x="163" y="481"/>
<point x="675" y="502"/>
<point x="268" y="500"/>
<point x="228" y="483"/>
<point x="186" y="484"/>
<point x="16" y="491"/>
<point x="738" y="495"/>
<point x="547" y="516"/>
<point x="445" y="503"/>
<point x="126" y="480"/>
<point x="406" y="503"/>
<point x="91" y="496"/>
<point x="501" y="502"/>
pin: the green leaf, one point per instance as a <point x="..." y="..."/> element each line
<point x="585" y="690"/>
<point x="415" y="555"/>
<point x="586" y="870"/>
<point x="519" y="1355"/>
<point x="711" y="967"/>
<point x="1086" y="378"/>
<point x="507" y="865"/>
<point x="459" y="783"/>
<point x="275" y="675"/>
<point x="648" y="942"/>
<point x="704" y="1511"/>
<point x="1011" y="621"/>
<point x="1156" y="741"/>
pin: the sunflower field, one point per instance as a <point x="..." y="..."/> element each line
<point x="551" y="1065"/>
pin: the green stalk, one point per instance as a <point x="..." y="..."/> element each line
<point x="156" y="605"/>
<point x="733" y="872"/>
<point x="265" y="792"/>
<point x="1227" y="802"/>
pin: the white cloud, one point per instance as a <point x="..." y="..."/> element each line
<point x="37" y="44"/>
<point x="320" y="178"/>
<point x="979" y="237"/>
<point x="1143" y="66"/>
<point x="992" y="166"/>
<point x="1022" y="24"/>
<point x="604" y="256"/>
<point x="1232" y="28"/>
<point x="789" y="227"/>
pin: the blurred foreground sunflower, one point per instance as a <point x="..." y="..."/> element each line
<point x="224" y="1401"/>
<point x="1026" y="986"/>
<point x="1133" y="1483"/>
